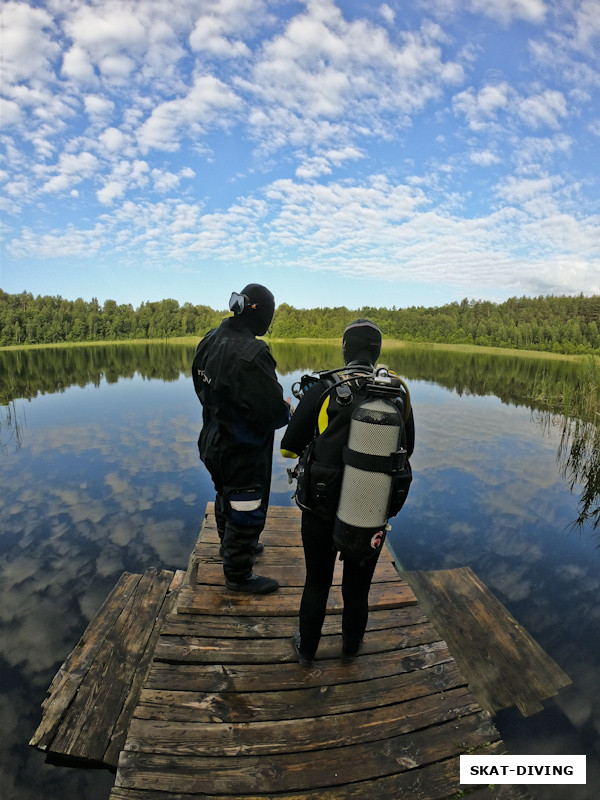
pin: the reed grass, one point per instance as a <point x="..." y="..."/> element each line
<point x="574" y="405"/>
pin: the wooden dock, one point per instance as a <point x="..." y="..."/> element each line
<point x="216" y="705"/>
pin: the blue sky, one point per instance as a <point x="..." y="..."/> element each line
<point x="343" y="152"/>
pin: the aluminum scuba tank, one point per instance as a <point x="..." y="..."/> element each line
<point x="373" y="453"/>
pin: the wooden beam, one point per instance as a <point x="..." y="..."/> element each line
<point x="504" y="665"/>
<point x="87" y="714"/>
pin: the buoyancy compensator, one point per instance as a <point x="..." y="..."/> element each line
<point x="376" y="476"/>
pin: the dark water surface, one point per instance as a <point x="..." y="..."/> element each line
<point x="99" y="474"/>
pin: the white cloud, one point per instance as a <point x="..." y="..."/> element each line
<point x="27" y="47"/>
<point x="107" y="30"/>
<point x="387" y="13"/>
<point x="209" y="35"/>
<point x="541" y="150"/>
<point x="117" y="68"/>
<point x="124" y="175"/>
<point x="587" y="24"/>
<point x="484" y="158"/>
<point x="523" y="190"/>
<point x="390" y="232"/>
<point x="113" y="140"/>
<point x="206" y="105"/>
<point x="121" y="104"/>
<point x="69" y="242"/>
<point x="323" y="164"/>
<point x="98" y="106"/>
<point x="482" y="108"/>
<point x="498" y="105"/>
<point x="78" y="66"/>
<point x="10" y="112"/>
<point x="503" y="11"/>
<point x="507" y="10"/>
<point x="164" y="181"/>
<point x="327" y="81"/>
<point x="547" y="108"/>
<point x="217" y="31"/>
<point x="71" y="169"/>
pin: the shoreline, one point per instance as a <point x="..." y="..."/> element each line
<point x="387" y="343"/>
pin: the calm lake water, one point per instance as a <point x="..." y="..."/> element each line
<point x="99" y="474"/>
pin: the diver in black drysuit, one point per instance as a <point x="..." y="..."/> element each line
<point x="328" y="426"/>
<point x="242" y="406"/>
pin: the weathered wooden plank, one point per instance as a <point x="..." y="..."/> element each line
<point x="288" y="536"/>
<point x="292" y="511"/>
<point x="276" y="516"/>
<point x="236" y="707"/>
<point x="286" y="736"/>
<point x="121" y="726"/>
<point x="502" y="792"/>
<point x="208" y="552"/>
<point x="436" y="781"/>
<point x="503" y="663"/>
<point x="290" y="573"/>
<point x="208" y="650"/>
<point x="295" y="771"/>
<point x="69" y="677"/>
<point x="88" y="724"/>
<point x="274" y="627"/>
<point x="284" y="602"/>
<point x="256" y="677"/>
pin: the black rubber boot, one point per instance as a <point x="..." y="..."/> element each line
<point x="255" y="584"/>
<point x="349" y="655"/>
<point x="303" y="660"/>
<point x="257" y="550"/>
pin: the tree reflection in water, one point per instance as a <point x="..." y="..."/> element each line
<point x="560" y="393"/>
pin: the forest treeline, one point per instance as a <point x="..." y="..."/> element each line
<point x="559" y="324"/>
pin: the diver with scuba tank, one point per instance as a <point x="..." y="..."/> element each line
<point x="353" y="432"/>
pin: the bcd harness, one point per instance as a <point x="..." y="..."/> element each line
<point x="356" y="470"/>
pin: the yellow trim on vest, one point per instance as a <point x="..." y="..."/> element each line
<point x="288" y="453"/>
<point x="323" y="419"/>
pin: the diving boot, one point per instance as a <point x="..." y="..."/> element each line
<point x="303" y="660"/>
<point x="255" y="584"/>
<point x="348" y="655"/>
<point x="257" y="550"/>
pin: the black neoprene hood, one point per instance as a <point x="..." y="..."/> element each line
<point x="361" y="342"/>
<point x="258" y="310"/>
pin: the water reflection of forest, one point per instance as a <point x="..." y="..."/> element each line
<point x="26" y="373"/>
<point x="513" y="379"/>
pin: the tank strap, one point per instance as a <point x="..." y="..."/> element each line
<point x="369" y="463"/>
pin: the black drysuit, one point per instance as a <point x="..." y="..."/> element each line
<point x="327" y="423"/>
<point x="242" y="406"/>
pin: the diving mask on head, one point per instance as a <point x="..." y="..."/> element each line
<point x="238" y="302"/>
<point x="253" y="308"/>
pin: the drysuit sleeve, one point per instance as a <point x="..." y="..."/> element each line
<point x="302" y="426"/>
<point x="263" y="395"/>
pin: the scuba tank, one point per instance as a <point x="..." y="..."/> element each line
<point x="373" y="466"/>
<point x="372" y="458"/>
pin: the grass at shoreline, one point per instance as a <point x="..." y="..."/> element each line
<point x="387" y="343"/>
